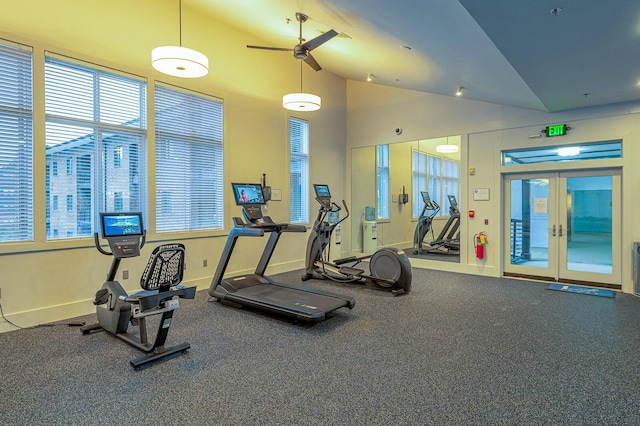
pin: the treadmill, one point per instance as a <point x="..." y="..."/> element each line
<point x="257" y="290"/>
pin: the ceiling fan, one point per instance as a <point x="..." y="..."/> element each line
<point x="302" y="50"/>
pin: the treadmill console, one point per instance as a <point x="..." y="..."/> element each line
<point x="453" y="205"/>
<point x="251" y="198"/>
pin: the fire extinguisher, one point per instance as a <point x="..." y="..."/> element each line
<point x="479" y="241"/>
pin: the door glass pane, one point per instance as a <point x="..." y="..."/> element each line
<point x="589" y="214"/>
<point x="529" y="239"/>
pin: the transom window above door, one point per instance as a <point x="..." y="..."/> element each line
<point x="574" y="152"/>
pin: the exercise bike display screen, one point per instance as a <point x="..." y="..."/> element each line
<point x="121" y="224"/>
<point x="248" y="193"/>
<point x="322" y="190"/>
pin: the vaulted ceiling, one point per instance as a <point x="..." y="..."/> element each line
<point x="547" y="55"/>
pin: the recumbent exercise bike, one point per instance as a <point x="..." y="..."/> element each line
<point x="389" y="268"/>
<point x="160" y="283"/>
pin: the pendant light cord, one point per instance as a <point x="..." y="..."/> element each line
<point x="300" y="75"/>
<point x="180" y="17"/>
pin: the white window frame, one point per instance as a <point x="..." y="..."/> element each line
<point x="89" y="110"/>
<point x="298" y="170"/>
<point x="419" y="181"/>
<point x="16" y="146"/>
<point x="382" y="182"/>
<point x="189" y="130"/>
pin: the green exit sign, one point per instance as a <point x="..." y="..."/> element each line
<point x="556" y="130"/>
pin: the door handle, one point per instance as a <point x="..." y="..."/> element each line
<point x="560" y="231"/>
<point x="553" y="230"/>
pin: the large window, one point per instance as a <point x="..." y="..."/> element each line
<point x="16" y="144"/>
<point x="89" y="114"/>
<point x="443" y="178"/>
<point x="189" y="161"/>
<point x="382" y="161"/>
<point x="419" y="178"/>
<point x="298" y="170"/>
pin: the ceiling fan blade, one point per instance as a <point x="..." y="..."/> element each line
<point x="283" y="49"/>
<point x="322" y="38"/>
<point x="310" y="60"/>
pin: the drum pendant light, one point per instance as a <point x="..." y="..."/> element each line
<point x="180" y="61"/>
<point x="301" y="101"/>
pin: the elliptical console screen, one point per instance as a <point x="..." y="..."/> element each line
<point x="121" y="224"/>
<point x="247" y="193"/>
<point x="452" y="201"/>
<point x="425" y="196"/>
<point x="322" y="191"/>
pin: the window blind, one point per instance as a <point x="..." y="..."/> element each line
<point x="298" y="171"/>
<point x="383" y="181"/>
<point x="96" y="128"/>
<point x="189" y="161"/>
<point x="16" y="144"/>
<point x="419" y="166"/>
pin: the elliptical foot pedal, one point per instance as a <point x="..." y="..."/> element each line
<point x="347" y="270"/>
<point x="345" y="260"/>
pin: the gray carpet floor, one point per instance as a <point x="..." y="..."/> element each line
<point x="458" y="349"/>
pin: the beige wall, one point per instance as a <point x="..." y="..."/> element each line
<point x="486" y="129"/>
<point x="46" y="281"/>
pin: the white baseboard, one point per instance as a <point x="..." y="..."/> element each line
<point x="49" y="314"/>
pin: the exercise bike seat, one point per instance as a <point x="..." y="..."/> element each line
<point x="161" y="278"/>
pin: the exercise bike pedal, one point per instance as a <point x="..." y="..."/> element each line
<point x="347" y="270"/>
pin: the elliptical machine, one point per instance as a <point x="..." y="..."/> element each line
<point x="389" y="268"/>
<point x="160" y="281"/>
<point x="429" y="211"/>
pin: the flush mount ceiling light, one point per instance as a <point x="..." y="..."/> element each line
<point x="180" y="61"/>
<point x="569" y="151"/>
<point x="301" y="101"/>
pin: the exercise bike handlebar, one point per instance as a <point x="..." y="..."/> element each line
<point x="96" y="240"/>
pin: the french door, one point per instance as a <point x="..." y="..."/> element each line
<point x="564" y="226"/>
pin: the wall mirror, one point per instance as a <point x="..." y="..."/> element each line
<point x="405" y="195"/>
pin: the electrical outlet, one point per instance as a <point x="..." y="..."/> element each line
<point x="125" y="275"/>
<point x="204" y="263"/>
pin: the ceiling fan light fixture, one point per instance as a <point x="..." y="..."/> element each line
<point x="301" y="102"/>
<point x="179" y="61"/>
<point x="447" y="149"/>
